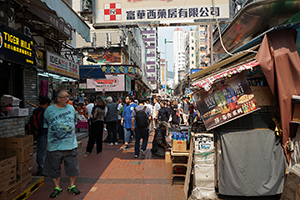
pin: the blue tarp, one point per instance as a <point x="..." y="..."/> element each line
<point x="91" y="71"/>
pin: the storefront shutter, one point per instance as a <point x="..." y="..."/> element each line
<point x="30" y="89"/>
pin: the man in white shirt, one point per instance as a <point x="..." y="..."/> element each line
<point x="89" y="109"/>
<point x="121" y="103"/>
<point x="155" y="111"/>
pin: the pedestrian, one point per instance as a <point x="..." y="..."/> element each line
<point x="163" y="114"/>
<point x="41" y="146"/>
<point x="141" y="116"/>
<point x="97" y="123"/>
<point x="185" y="111"/>
<point x="156" y="108"/>
<point x="175" y="115"/>
<point x="120" y="113"/>
<point x="160" y="145"/>
<point x="192" y="112"/>
<point x="126" y="120"/>
<point x="89" y="109"/>
<point x="60" y="119"/>
<point x="111" y="119"/>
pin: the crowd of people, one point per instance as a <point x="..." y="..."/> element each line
<point x="126" y="120"/>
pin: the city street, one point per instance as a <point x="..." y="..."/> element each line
<point x="116" y="174"/>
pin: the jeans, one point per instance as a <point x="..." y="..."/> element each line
<point x="41" y="150"/>
<point x="127" y="134"/>
<point x="111" y="131"/>
<point x="141" y="133"/>
<point x="96" y="135"/>
<point x="120" y="130"/>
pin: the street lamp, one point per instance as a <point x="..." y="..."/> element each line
<point x="166" y="71"/>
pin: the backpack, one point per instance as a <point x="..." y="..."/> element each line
<point x="32" y="126"/>
<point x="141" y="118"/>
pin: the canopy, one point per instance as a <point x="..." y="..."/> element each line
<point x="67" y="13"/>
<point x="91" y="71"/>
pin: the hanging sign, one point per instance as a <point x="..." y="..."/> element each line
<point x="132" y="12"/>
<point x="62" y="66"/>
<point x="227" y="101"/>
<point x="112" y="83"/>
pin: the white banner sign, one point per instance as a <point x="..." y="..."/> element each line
<point x="130" y="12"/>
<point x="61" y="65"/>
<point x="110" y="84"/>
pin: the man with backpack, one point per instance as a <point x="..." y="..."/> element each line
<point x="141" y="116"/>
<point x="41" y="133"/>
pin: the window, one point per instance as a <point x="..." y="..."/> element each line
<point x="192" y="41"/>
<point x="192" y="55"/>
<point x="192" y="48"/>
<point x="192" y="62"/>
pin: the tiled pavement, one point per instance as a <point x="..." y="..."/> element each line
<point x="116" y="174"/>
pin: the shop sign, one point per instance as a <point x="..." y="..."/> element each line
<point x="112" y="83"/>
<point x="82" y="86"/>
<point x="128" y="83"/>
<point x="207" y="83"/>
<point x="15" y="46"/>
<point x="122" y="69"/>
<point x="227" y="101"/>
<point x="39" y="59"/>
<point x="132" y="12"/>
<point x="62" y="66"/>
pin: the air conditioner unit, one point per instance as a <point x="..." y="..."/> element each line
<point x="27" y="31"/>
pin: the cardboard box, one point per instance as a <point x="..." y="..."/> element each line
<point x="23" y="153"/>
<point x="8" y="168"/>
<point x="19" y="140"/>
<point x="296" y="113"/>
<point x="25" y="180"/>
<point x="21" y="112"/>
<point x="25" y="167"/>
<point x="2" y="146"/>
<point x="179" y="145"/>
<point x="11" y="192"/>
<point x="7" y="100"/>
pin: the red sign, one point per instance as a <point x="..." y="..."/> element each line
<point x="227" y="101"/>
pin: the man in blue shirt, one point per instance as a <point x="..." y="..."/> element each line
<point x="126" y="120"/>
<point x="60" y="119"/>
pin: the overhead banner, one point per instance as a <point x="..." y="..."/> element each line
<point x="15" y="46"/>
<point x="62" y="66"/>
<point x="106" y="56"/>
<point x="130" y="12"/>
<point x="112" y="83"/>
<point x="227" y="101"/>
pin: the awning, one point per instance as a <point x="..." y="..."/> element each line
<point x="253" y="20"/>
<point x="69" y="15"/>
<point x="209" y="81"/>
<point x="91" y="71"/>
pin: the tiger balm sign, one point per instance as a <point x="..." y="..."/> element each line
<point x="132" y="12"/>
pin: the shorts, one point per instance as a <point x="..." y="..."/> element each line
<point x="185" y="117"/>
<point x="54" y="159"/>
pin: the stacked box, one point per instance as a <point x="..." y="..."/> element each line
<point x="22" y="147"/>
<point x="8" y="169"/>
<point x="11" y="192"/>
<point x="179" y="145"/>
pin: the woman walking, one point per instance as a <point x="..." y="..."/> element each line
<point x="97" y="118"/>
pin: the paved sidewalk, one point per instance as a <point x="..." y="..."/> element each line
<point x="116" y="174"/>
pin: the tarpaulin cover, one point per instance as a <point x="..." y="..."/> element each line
<point x="252" y="163"/>
<point x="279" y="61"/>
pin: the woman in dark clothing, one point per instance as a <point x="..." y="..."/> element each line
<point x="98" y="114"/>
<point x="175" y="120"/>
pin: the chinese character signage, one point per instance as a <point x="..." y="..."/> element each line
<point x="128" y="83"/>
<point x="121" y="69"/>
<point x="62" y="66"/>
<point x="227" y="101"/>
<point x="112" y="83"/>
<point x="127" y="12"/>
<point x="15" y="46"/>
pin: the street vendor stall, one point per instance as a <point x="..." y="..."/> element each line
<point x="238" y="108"/>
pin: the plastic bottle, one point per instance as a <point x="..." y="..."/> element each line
<point x="179" y="136"/>
<point x="184" y="136"/>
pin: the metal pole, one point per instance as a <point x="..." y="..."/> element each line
<point x="165" y="71"/>
<point x="211" y="45"/>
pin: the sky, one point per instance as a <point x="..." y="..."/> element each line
<point x="167" y="32"/>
